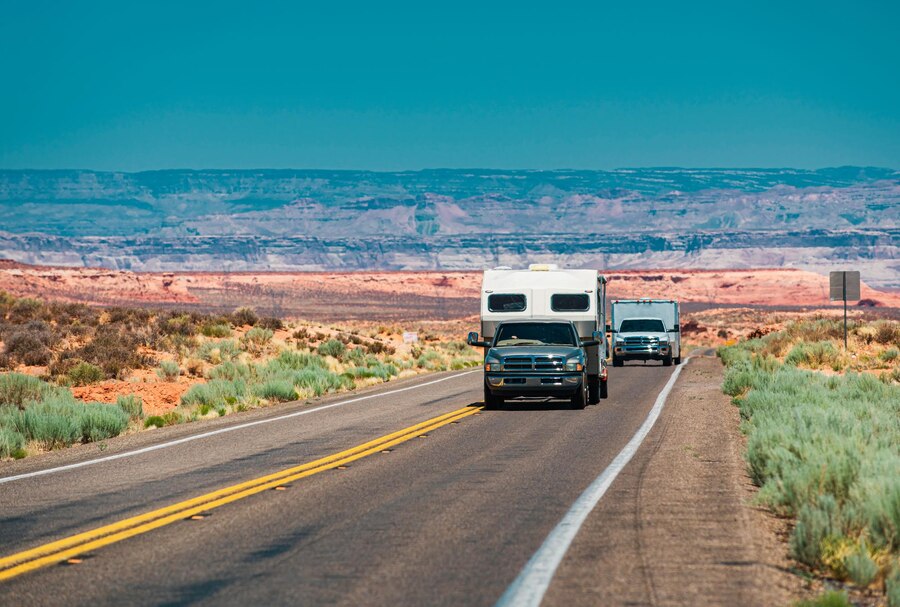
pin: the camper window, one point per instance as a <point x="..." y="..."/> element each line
<point x="506" y="302"/>
<point x="570" y="302"/>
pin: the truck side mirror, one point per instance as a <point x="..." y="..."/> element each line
<point x="589" y="343"/>
<point x="597" y="336"/>
<point x="472" y="338"/>
<point x="677" y="329"/>
<point x="609" y="328"/>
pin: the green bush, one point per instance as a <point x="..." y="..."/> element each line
<point x="12" y="443"/>
<point x="814" y="355"/>
<point x="256" y="338"/>
<point x="889" y="355"/>
<point x="216" y="330"/>
<point x="298" y="360"/>
<point x="84" y="373"/>
<point x="892" y="587"/>
<point x="132" y="405"/>
<point x="270" y="322"/>
<point x="216" y="394"/>
<point x="831" y="598"/>
<point x="887" y="332"/>
<point x="280" y="390"/>
<point x="332" y="347"/>
<point x="18" y="390"/>
<point x="230" y="371"/>
<point x="167" y="419"/>
<point x="824" y="450"/>
<point x="169" y="370"/>
<point x="320" y="381"/>
<point x="218" y="351"/>
<point x="382" y="371"/>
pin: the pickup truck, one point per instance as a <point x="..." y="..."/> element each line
<point x="646" y="329"/>
<point x="535" y="358"/>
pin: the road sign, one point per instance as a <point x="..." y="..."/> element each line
<point x="844" y="286"/>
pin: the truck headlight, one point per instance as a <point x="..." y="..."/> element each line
<point x="574" y="364"/>
<point x="492" y="364"/>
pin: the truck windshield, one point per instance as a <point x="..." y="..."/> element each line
<point x="642" y="325"/>
<point x="535" y="334"/>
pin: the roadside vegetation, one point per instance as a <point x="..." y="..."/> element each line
<point x="823" y="445"/>
<point x="57" y="360"/>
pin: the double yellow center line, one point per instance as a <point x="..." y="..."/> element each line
<point x="61" y="550"/>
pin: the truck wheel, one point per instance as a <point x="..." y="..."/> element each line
<point x="617" y="362"/>
<point x="595" y="391"/>
<point x="604" y="389"/>
<point x="677" y="360"/>
<point x="667" y="361"/>
<point x="579" y="400"/>
<point x="490" y="400"/>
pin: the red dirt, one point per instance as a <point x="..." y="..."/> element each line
<point x="389" y="296"/>
<point x="158" y="397"/>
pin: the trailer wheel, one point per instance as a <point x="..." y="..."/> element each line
<point x="604" y="389"/>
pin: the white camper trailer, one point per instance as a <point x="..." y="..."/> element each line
<point x="546" y="292"/>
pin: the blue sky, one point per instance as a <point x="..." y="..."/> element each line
<point x="408" y="85"/>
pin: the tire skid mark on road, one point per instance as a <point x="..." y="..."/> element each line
<point x="73" y="546"/>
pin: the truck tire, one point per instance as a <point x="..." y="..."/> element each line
<point x="579" y="400"/>
<point x="677" y="360"/>
<point x="595" y="391"/>
<point x="617" y="362"/>
<point x="667" y="361"/>
<point x="604" y="389"/>
<point x="490" y="400"/>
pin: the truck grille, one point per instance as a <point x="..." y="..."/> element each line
<point x="641" y="341"/>
<point x="534" y="363"/>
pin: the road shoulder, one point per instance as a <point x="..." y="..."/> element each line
<point x="677" y="526"/>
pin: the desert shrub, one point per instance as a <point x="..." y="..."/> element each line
<point x="332" y="347"/>
<point x="379" y="347"/>
<point x="176" y="324"/>
<point x="823" y="449"/>
<point x="271" y="323"/>
<point x="458" y="363"/>
<point x="99" y="421"/>
<point x="256" y="338"/>
<point x="84" y="373"/>
<point x="12" y="443"/>
<point x="217" y="351"/>
<point x="17" y="389"/>
<point x="889" y="355"/>
<point x="167" y="419"/>
<point x="298" y="360"/>
<point x="30" y="343"/>
<point x="815" y="355"/>
<point x="319" y="381"/>
<point x="24" y="309"/>
<point x="831" y="598"/>
<point x="244" y="316"/>
<point x="280" y="390"/>
<point x="216" y="394"/>
<point x="113" y="350"/>
<point x="216" y="330"/>
<point x="301" y="333"/>
<point x="356" y="356"/>
<point x="5" y="361"/>
<point x="431" y="361"/>
<point x="382" y="371"/>
<point x="887" y="332"/>
<point x="132" y="405"/>
<point x="892" y="587"/>
<point x="169" y="370"/>
<point x="230" y="371"/>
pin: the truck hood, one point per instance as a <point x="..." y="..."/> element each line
<point x="661" y="336"/>
<point x="564" y="351"/>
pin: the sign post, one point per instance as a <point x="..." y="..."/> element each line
<point x="844" y="286"/>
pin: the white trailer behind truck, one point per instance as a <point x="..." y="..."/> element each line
<point x="645" y="329"/>
<point x="546" y="292"/>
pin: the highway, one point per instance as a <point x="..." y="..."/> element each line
<point x="307" y="504"/>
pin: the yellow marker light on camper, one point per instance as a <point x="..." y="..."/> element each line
<point x="539" y="267"/>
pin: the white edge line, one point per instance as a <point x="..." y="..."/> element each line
<point x="528" y="589"/>
<point x="194" y="437"/>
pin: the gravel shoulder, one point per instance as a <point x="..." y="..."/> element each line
<point x="678" y="527"/>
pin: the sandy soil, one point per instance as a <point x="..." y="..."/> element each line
<point x="158" y="396"/>
<point x="391" y="296"/>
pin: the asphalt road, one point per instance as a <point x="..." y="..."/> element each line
<point x="448" y="519"/>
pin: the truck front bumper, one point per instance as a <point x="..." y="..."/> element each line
<point x="516" y="384"/>
<point x="642" y="352"/>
